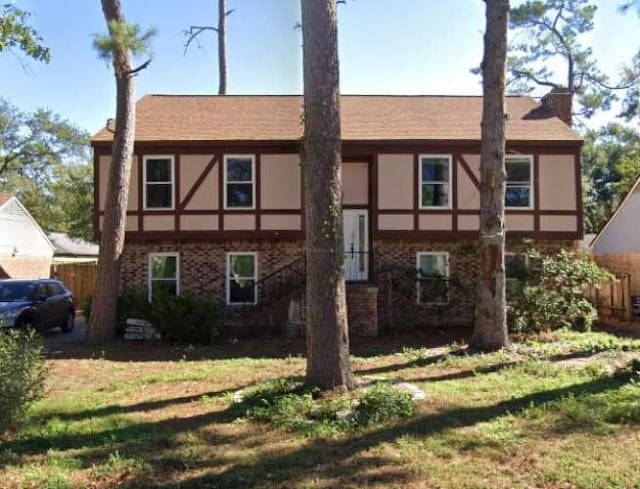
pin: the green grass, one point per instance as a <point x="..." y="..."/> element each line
<point x="556" y="412"/>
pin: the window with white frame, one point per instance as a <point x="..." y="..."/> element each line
<point x="239" y="181"/>
<point x="158" y="182"/>
<point x="519" y="193"/>
<point x="242" y="277"/>
<point x="164" y="274"/>
<point x="433" y="277"/>
<point x="516" y="274"/>
<point x="435" y="181"/>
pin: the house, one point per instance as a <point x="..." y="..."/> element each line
<point x="216" y="202"/>
<point x="25" y="250"/>
<point x="67" y="249"/>
<point x="617" y="245"/>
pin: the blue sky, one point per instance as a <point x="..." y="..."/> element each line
<point x="386" y="46"/>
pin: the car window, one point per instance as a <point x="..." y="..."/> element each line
<point x="41" y="291"/>
<point x="54" y="289"/>
<point x="14" y="292"/>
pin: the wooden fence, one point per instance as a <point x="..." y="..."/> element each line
<point x="613" y="299"/>
<point x="80" y="278"/>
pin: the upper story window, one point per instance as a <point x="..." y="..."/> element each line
<point x="435" y="181"/>
<point x="164" y="272"/>
<point x="158" y="182"/>
<point x="239" y="182"/>
<point x="519" y="192"/>
<point x="433" y="277"/>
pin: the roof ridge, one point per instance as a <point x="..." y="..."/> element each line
<point x="274" y="95"/>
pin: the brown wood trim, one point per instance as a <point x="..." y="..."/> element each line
<point x="453" y="192"/>
<point x="96" y="195"/>
<point x="449" y="235"/>
<point x="467" y="169"/>
<point x="212" y="235"/>
<point x="199" y="181"/>
<point x="373" y="202"/>
<point x="176" y="189"/>
<point x="536" y="192"/>
<point x="416" y="193"/>
<point x="213" y="212"/>
<point x="579" y="198"/>
<point x="364" y="205"/>
<point x="220" y="158"/>
<point x="140" y="192"/>
<point x="257" y="181"/>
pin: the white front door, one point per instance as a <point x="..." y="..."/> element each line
<point x="356" y="245"/>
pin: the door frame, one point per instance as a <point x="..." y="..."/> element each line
<point x="367" y="240"/>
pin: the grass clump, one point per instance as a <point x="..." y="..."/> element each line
<point x="22" y="377"/>
<point x="291" y="405"/>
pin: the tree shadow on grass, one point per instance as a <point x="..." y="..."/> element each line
<point x="348" y="458"/>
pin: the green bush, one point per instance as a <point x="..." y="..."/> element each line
<point x="185" y="318"/>
<point x="132" y="303"/>
<point x="382" y="403"/>
<point x="22" y="377"/>
<point x="556" y="297"/>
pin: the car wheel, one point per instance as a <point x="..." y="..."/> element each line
<point x="69" y="322"/>
<point x="27" y="325"/>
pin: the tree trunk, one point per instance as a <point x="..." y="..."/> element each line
<point x="102" y="322"/>
<point x="490" y="329"/>
<point x="328" y="364"/>
<point x="222" y="47"/>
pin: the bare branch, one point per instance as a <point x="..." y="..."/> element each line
<point x="194" y="31"/>
<point x="229" y="12"/>
<point x="137" y="70"/>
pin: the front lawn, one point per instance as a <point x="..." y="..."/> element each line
<point x="558" y="413"/>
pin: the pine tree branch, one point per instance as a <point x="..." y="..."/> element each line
<point x="137" y="70"/>
<point x="195" y="30"/>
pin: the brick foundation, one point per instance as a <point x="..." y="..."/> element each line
<point x="362" y="309"/>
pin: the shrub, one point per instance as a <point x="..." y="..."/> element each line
<point x="132" y="303"/>
<point x="185" y="318"/>
<point x="22" y="377"/>
<point x="556" y="298"/>
<point x="382" y="403"/>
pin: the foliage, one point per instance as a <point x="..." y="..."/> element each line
<point x="15" y="32"/>
<point x="123" y="36"/>
<point x="555" y="298"/>
<point x="611" y="165"/>
<point x="546" y="31"/>
<point x="288" y="404"/>
<point x="186" y="318"/>
<point x="43" y="159"/>
<point x="22" y="379"/>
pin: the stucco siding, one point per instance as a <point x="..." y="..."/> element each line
<point x="395" y="222"/>
<point x="435" y="222"/>
<point x="557" y="182"/>
<point x="199" y="223"/>
<point x="468" y="193"/>
<point x="558" y="223"/>
<point x="281" y="181"/>
<point x="239" y="223"/>
<point x="355" y="183"/>
<point x="516" y="222"/>
<point x="159" y="223"/>
<point x="395" y="181"/>
<point x="104" y="165"/>
<point x="280" y="222"/>
<point x="191" y="168"/>
<point x="622" y="235"/>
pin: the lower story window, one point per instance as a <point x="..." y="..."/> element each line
<point x="242" y="277"/>
<point x="433" y="277"/>
<point x="163" y="274"/>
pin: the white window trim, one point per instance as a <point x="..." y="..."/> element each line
<point x="532" y="183"/>
<point x="252" y="157"/>
<point x="420" y="181"/>
<point x="171" y="158"/>
<point x="431" y="253"/>
<point x="228" y="278"/>
<point x="150" y="279"/>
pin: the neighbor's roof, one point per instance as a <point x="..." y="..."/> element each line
<point x="364" y="118"/>
<point x="65" y="245"/>
<point x="4" y="198"/>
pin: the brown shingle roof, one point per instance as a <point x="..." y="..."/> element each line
<point x="4" y="197"/>
<point x="364" y="118"/>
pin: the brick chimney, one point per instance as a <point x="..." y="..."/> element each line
<point x="558" y="102"/>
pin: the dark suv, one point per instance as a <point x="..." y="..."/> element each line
<point x="36" y="304"/>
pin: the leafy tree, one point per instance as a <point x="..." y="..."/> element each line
<point x="546" y="31"/>
<point x="194" y="32"/>
<point x="328" y="364"/>
<point x="490" y="328"/>
<point x="16" y="33"/>
<point x="122" y="42"/>
<point x="611" y="165"/>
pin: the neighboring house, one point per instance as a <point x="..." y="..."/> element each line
<point x="67" y="249"/>
<point x="216" y="203"/>
<point x="617" y="245"/>
<point x="25" y="250"/>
